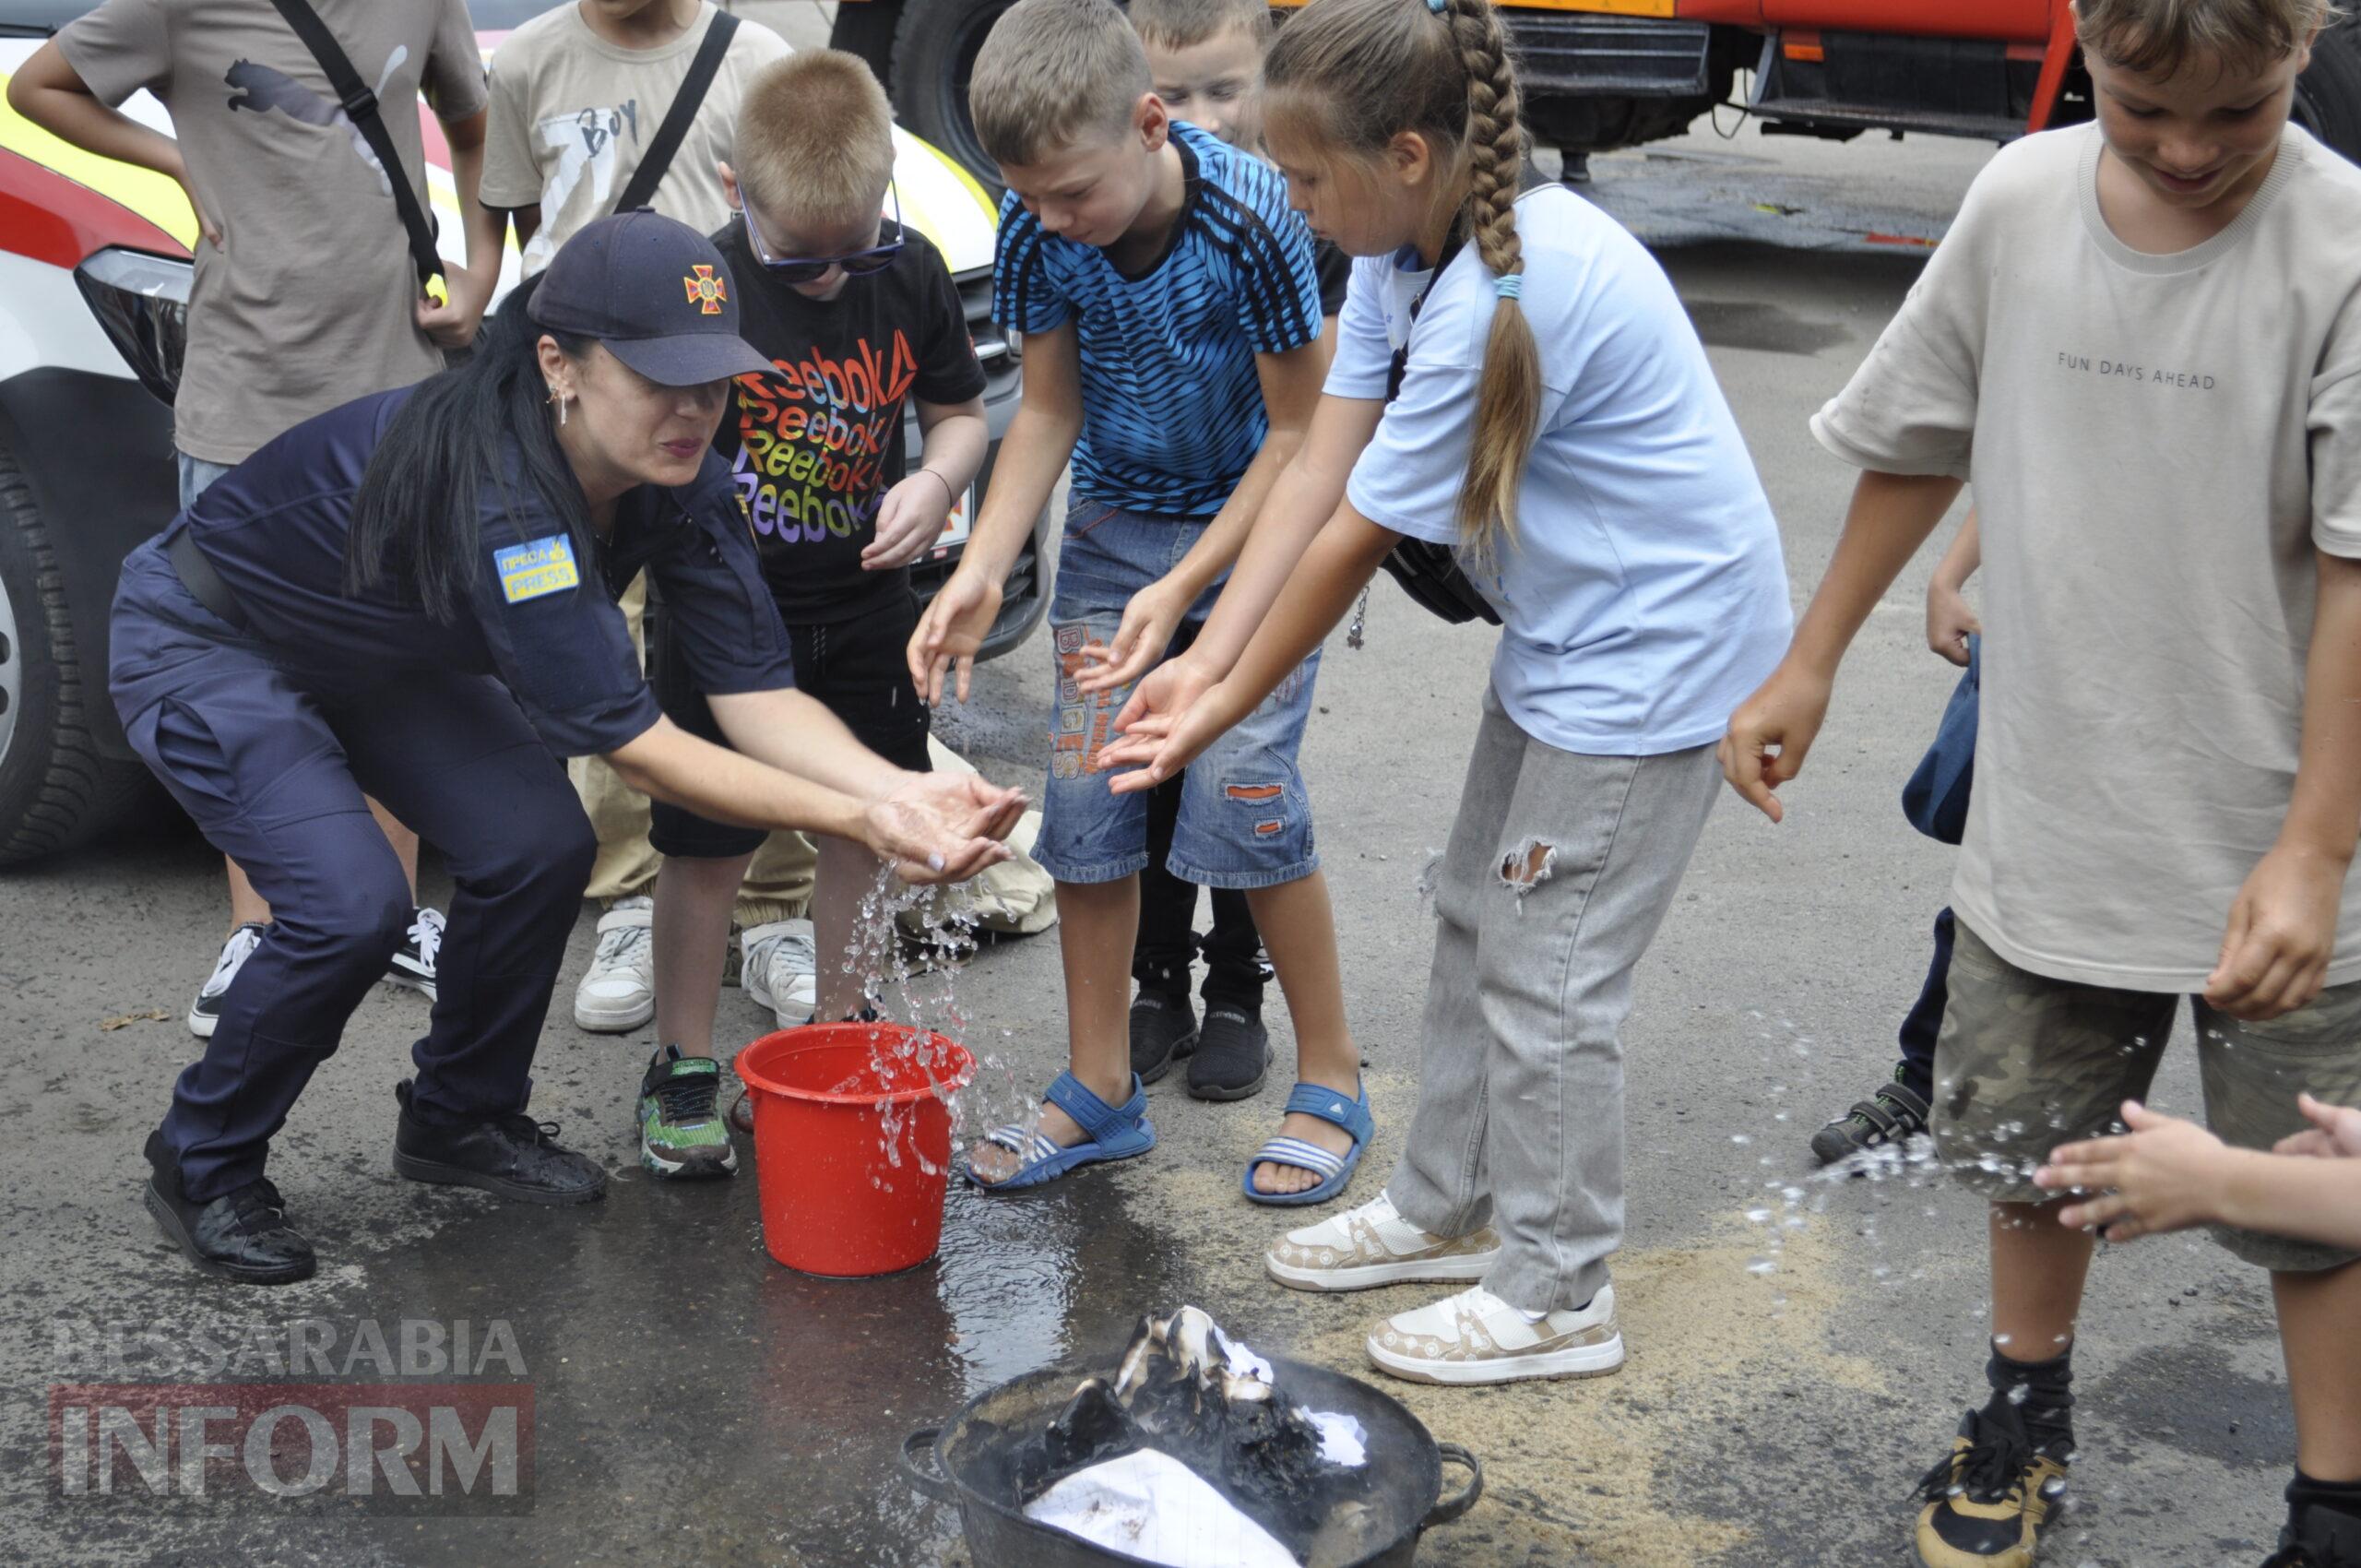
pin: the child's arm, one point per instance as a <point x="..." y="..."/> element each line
<point x="1306" y="497"/>
<point x="1890" y="516"/>
<point x="47" y="90"/>
<point x="1950" y="622"/>
<point x="913" y="513"/>
<point x="1290" y="392"/>
<point x="452" y="324"/>
<point x="2167" y="1174"/>
<point x="2282" y="925"/>
<point x="1032" y="455"/>
<point x="1318" y="592"/>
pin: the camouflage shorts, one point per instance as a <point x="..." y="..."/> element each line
<point x="2025" y="1064"/>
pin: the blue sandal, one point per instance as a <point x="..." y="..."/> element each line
<point x="1335" y="1170"/>
<point x="1109" y="1133"/>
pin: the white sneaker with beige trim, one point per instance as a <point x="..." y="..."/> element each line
<point x="1371" y="1245"/>
<point x="1477" y="1338"/>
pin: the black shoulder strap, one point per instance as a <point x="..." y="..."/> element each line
<point x="361" y="106"/>
<point x="668" y="136"/>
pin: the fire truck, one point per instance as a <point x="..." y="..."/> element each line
<point x="1605" y="74"/>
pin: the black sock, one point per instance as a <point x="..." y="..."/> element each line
<point x="2047" y="1403"/>
<point x="2325" y="1516"/>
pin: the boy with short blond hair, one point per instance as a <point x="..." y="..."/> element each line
<point x="860" y="315"/>
<point x="1172" y="325"/>
<point x="2162" y="424"/>
<point x="1205" y="59"/>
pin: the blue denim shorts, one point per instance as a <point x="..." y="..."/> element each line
<point x="1245" y="819"/>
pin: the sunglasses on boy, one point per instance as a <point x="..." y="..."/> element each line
<point x="810" y="269"/>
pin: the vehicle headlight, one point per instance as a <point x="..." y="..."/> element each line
<point x="142" y="301"/>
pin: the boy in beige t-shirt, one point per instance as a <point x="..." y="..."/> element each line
<point x="2140" y="343"/>
<point x="577" y="94"/>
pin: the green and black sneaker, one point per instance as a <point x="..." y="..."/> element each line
<point x="1987" y="1503"/>
<point x="1896" y="1114"/>
<point x="681" y="1130"/>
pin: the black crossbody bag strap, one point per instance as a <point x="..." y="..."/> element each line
<point x="641" y="188"/>
<point x="362" y="108"/>
<point x="1430" y="573"/>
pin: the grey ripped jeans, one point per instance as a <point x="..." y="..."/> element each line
<point x="1560" y="869"/>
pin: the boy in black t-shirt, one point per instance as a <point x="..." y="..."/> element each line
<point x="859" y="313"/>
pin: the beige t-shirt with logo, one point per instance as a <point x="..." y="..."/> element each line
<point x="572" y="113"/>
<point x="308" y="302"/>
<point x="2157" y="445"/>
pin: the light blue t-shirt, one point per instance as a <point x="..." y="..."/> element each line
<point x="1645" y="597"/>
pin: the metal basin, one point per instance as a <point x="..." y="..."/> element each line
<point x="966" y="1463"/>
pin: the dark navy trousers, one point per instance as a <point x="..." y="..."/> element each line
<point x="1924" y="1020"/>
<point x="272" y="764"/>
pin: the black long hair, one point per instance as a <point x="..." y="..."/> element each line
<point x="484" y="422"/>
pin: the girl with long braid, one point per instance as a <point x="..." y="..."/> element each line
<point x="1515" y="380"/>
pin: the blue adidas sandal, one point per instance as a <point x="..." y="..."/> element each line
<point x="1109" y="1133"/>
<point x="1335" y="1170"/>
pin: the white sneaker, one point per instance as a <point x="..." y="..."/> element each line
<point x="1477" y="1338"/>
<point x="780" y="969"/>
<point x="414" y="960"/>
<point x="619" y="994"/>
<point x="206" y="1011"/>
<point x="1371" y="1245"/>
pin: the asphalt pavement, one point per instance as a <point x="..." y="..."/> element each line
<point x="1800" y="1347"/>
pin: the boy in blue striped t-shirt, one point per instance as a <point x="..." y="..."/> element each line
<point x="1170" y="313"/>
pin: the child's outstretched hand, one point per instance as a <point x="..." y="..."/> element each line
<point x="1165" y="727"/>
<point x="2281" y="930"/>
<point x="2335" y="1132"/>
<point x="2166" y="1174"/>
<point x="1150" y="619"/>
<point x="950" y="633"/>
<point x="1770" y="733"/>
<point x="911" y="516"/>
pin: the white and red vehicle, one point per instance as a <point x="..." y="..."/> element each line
<point x="94" y="284"/>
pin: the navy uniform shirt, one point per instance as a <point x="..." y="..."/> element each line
<point x="541" y="619"/>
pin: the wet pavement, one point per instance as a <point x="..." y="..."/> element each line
<point x="1800" y="1347"/>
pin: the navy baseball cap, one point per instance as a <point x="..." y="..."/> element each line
<point x="656" y="292"/>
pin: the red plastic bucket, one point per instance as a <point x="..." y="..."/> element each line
<point x="842" y="1195"/>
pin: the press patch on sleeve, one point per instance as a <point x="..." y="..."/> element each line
<point x="1265" y="829"/>
<point x="536" y="567"/>
<point x="1253" y="792"/>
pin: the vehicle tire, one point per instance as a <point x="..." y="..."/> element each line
<point x="1602" y="124"/>
<point x="2328" y="95"/>
<point x="56" y="791"/>
<point x="866" y="28"/>
<point x="934" y="50"/>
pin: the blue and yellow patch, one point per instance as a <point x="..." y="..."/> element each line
<point x="536" y="567"/>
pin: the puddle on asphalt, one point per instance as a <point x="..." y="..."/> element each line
<point x="680" y="1372"/>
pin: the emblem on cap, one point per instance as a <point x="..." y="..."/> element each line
<point x="706" y="290"/>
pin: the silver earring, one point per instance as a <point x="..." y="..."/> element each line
<point x="559" y="398"/>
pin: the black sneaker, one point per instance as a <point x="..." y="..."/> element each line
<point x="413" y="962"/>
<point x="512" y="1155"/>
<point x="206" y="1011"/>
<point x="2317" y="1536"/>
<point x="1896" y="1114"/>
<point x="1233" y="1055"/>
<point x="1991" y="1497"/>
<point x="243" y="1235"/>
<point x="1163" y="1030"/>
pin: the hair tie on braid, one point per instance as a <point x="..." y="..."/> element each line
<point x="1438" y="7"/>
<point x="1508" y="285"/>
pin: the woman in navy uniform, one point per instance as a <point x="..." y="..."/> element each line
<point x="414" y="596"/>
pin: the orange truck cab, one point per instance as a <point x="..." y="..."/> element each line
<point x="1604" y="74"/>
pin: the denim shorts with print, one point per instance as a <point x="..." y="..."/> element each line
<point x="1245" y="821"/>
<point x="2025" y="1063"/>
